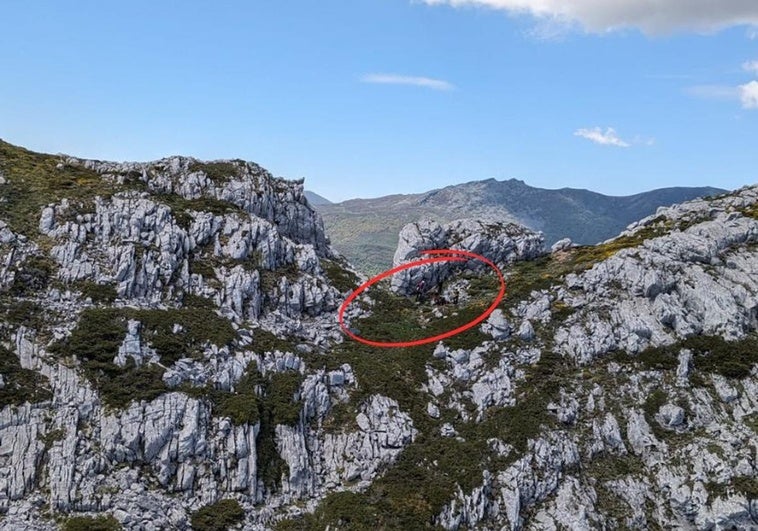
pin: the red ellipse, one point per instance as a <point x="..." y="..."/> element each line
<point x="458" y="257"/>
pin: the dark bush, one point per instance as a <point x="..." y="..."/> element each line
<point x="219" y="516"/>
<point x="89" y="523"/>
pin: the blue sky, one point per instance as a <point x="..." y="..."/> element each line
<point x="373" y="97"/>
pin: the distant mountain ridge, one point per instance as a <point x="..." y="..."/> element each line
<point x="365" y="230"/>
<point x="316" y="200"/>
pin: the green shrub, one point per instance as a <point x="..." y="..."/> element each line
<point x="99" y="334"/>
<point x="339" y="277"/>
<point x="712" y="354"/>
<point x="33" y="275"/>
<point x="89" y="523"/>
<point x="21" y="385"/>
<point x="219" y="516"/>
<point x="732" y="359"/>
<point x="99" y="293"/>
<point x="242" y="406"/>
<point x="747" y="486"/>
<point x="541" y="273"/>
<point x="660" y="358"/>
<point x="19" y="312"/>
<point x="219" y="172"/>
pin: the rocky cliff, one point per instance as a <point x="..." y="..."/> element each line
<point x="170" y="359"/>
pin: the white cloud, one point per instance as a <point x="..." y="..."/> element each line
<point x="649" y="16"/>
<point x="749" y="95"/>
<point x="605" y="138"/>
<point x="416" y="81"/>
<point x="750" y="66"/>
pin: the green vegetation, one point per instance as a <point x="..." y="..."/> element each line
<point x="270" y="401"/>
<point x="219" y="516"/>
<point x="265" y="341"/>
<point x="99" y="293"/>
<point x="219" y="172"/>
<point x="21" y="385"/>
<point x="751" y="211"/>
<point x="712" y="354"/>
<point x="412" y="492"/>
<point x="747" y="486"/>
<point x="19" y="312"/>
<point x="100" y="332"/>
<point x="242" y="406"/>
<point x="659" y="359"/>
<point x="609" y="467"/>
<point x="89" y="523"/>
<point x="33" y="275"/>
<point x="270" y="279"/>
<point x="339" y="276"/>
<point x="181" y="207"/>
<point x="653" y="403"/>
<point x="35" y="180"/>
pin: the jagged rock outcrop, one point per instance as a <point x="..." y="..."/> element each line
<point x="498" y="242"/>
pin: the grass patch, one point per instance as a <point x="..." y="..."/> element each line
<point x="218" y="172"/>
<point x="659" y="359"/>
<point x="34" y="180"/>
<point x="339" y="276"/>
<point x="265" y="341"/>
<point x="608" y="467"/>
<point x="90" y="523"/>
<point x="218" y="516"/>
<point x="711" y="354"/>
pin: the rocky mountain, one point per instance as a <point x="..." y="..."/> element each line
<point x="366" y="230"/>
<point x="315" y="199"/>
<point x="170" y="358"/>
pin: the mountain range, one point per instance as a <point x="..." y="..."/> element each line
<point x="365" y="230"/>
<point x="171" y="357"/>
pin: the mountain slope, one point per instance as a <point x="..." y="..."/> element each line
<point x="365" y="230"/>
<point x="315" y="199"/>
<point x="170" y="359"/>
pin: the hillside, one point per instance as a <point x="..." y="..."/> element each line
<point x="365" y="230"/>
<point x="170" y="358"/>
<point x="315" y="199"/>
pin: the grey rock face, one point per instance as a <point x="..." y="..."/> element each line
<point x="698" y="281"/>
<point x="497" y="242"/>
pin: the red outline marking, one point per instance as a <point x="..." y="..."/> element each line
<point x="458" y="257"/>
